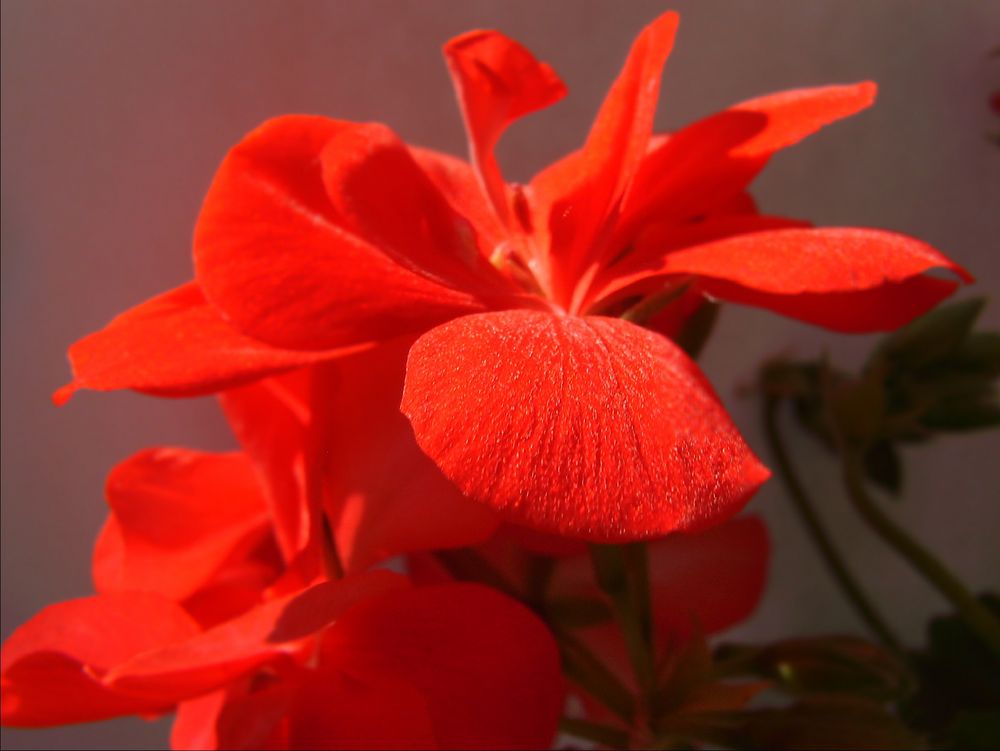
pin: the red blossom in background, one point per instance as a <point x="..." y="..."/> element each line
<point x="197" y="610"/>
<point x="322" y="237"/>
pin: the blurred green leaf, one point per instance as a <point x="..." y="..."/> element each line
<point x="959" y="683"/>
<point x="826" y="665"/>
<point x="962" y="415"/>
<point x="682" y="670"/>
<point x="976" y="730"/>
<point x="979" y="353"/>
<point x="929" y="338"/>
<point x="817" y="723"/>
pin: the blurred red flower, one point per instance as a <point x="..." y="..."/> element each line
<point x="198" y="610"/>
<point x="320" y="238"/>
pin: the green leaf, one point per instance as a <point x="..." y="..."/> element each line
<point x="976" y="730"/>
<point x="827" y="665"/>
<point x="979" y="353"/>
<point x="930" y="338"/>
<point x="959" y="683"/>
<point x="684" y="668"/>
<point x="818" y="723"/>
<point x="962" y="415"/>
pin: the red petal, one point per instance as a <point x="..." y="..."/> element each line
<point x="175" y="344"/>
<point x="617" y="142"/>
<point x="487" y="666"/>
<point x="308" y="709"/>
<point x="179" y="515"/>
<point x="844" y="279"/>
<point x="459" y="184"/>
<point x="256" y="716"/>
<point x="271" y="420"/>
<point x="639" y="271"/>
<point x="370" y="710"/>
<point x="707" y="162"/>
<point x="211" y="659"/>
<point x="497" y="81"/>
<point x="51" y="666"/>
<point x="379" y="190"/>
<point x="273" y="255"/>
<point x="194" y="723"/>
<point x="707" y="581"/>
<point x="385" y="496"/>
<point x="591" y="427"/>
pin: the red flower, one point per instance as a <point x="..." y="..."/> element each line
<point x="196" y="608"/>
<point x="331" y="443"/>
<point x="319" y="237"/>
<point x="699" y="585"/>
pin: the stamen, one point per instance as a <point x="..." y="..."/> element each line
<point x="506" y="259"/>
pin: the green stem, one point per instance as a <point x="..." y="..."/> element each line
<point x="975" y="615"/>
<point x="622" y="572"/>
<point x="834" y="561"/>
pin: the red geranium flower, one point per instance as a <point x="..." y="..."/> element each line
<point x="197" y="610"/>
<point x="699" y="585"/>
<point x="330" y="442"/>
<point x="321" y="237"/>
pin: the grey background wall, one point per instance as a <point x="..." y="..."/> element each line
<point x="115" y="115"/>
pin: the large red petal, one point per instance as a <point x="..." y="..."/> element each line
<point x="178" y="515"/>
<point x="843" y="279"/>
<point x="273" y="254"/>
<point x="640" y="270"/>
<point x="213" y="658"/>
<point x="497" y="81"/>
<point x="384" y="495"/>
<point x="52" y="665"/>
<point x="487" y="666"/>
<point x="616" y="144"/>
<point x="175" y="344"/>
<point x="591" y="427"/>
<point x="708" y="162"/>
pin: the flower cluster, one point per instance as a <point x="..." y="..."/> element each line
<point x="417" y="356"/>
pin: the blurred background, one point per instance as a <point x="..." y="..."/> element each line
<point x="116" y="114"/>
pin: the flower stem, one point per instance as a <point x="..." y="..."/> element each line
<point x="834" y="561"/>
<point x="975" y="615"/>
<point x="622" y="572"/>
